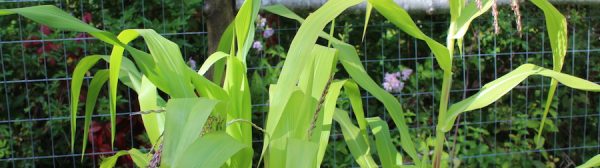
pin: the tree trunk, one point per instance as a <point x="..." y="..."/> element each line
<point x="219" y="14"/>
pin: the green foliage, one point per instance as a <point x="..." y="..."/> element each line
<point x="303" y="102"/>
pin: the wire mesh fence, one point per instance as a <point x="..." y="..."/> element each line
<point x="36" y="63"/>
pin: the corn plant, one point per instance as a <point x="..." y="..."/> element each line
<point x="462" y="14"/>
<point x="206" y="123"/>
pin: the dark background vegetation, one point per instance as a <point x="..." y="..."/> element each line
<point x="36" y="64"/>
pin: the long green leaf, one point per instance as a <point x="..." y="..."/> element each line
<point x="322" y="130"/>
<point x="386" y="150"/>
<point x="300" y="153"/>
<point x="593" y="162"/>
<point x="185" y="118"/>
<point x="211" y="60"/>
<point x="56" y="18"/>
<point x="367" y="16"/>
<point x="110" y="162"/>
<point x="82" y="67"/>
<point x="154" y="122"/>
<point x="295" y="61"/>
<point x="210" y="150"/>
<point x="467" y="15"/>
<point x="90" y="102"/>
<point x="358" y="145"/>
<point x="353" y="66"/>
<point x="557" y="31"/>
<point x="399" y="17"/>
<point x="492" y="91"/>
<point x="236" y="85"/>
<point x="245" y="28"/>
<point x="304" y="41"/>
<point x="140" y="159"/>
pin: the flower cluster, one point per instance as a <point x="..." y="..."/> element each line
<point x="267" y="32"/>
<point x="393" y="82"/>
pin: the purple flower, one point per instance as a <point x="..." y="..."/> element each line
<point x="261" y="22"/>
<point x="192" y="63"/>
<point x="257" y="45"/>
<point x="268" y="32"/>
<point x="392" y="83"/>
<point x="406" y="73"/>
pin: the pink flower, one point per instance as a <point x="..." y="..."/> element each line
<point x="392" y="83"/>
<point x="406" y="73"/>
<point x="257" y="45"/>
<point x="87" y="17"/>
<point x="45" y="30"/>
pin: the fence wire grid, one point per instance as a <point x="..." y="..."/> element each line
<point x="34" y="116"/>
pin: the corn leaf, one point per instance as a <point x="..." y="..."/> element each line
<point x="90" y="102"/>
<point x="154" y="122"/>
<point x="211" y="60"/>
<point x="295" y="61"/>
<point x="353" y="94"/>
<point x="185" y="118"/>
<point x="58" y="19"/>
<point x="353" y="66"/>
<point x="367" y="16"/>
<point x="557" y="31"/>
<point x="388" y="155"/>
<point x="492" y="91"/>
<point x="245" y="28"/>
<point x="302" y="42"/>
<point x="236" y="85"/>
<point x="593" y="162"/>
<point x="399" y="17"/>
<point x="283" y="11"/>
<point x="210" y="150"/>
<point x="467" y="15"/>
<point x="358" y="145"/>
<point x="323" y="125"/>
<point x="82" y="67"/>
<point x="140" y="159"/>
<point x="276" y="146"/>
<point x="300" y="153"/>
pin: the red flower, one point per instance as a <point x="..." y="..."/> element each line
<point x="87" y="17"/>
<point x="48" y="47"/>
<point x="34" y="42"/>
<point x="81" y="36"/>
<point x="45" y="30"/>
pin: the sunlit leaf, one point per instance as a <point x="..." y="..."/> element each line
<point x="210" y="150"/>
<point x="212" y="59"/>
<point x="386" y="150"/>
<point x="90" y="102"/>
<point x="300" y="153"/>
<point x="82" y="67"/>
<point x="593" y="162"/>
<point x="185" y="118"/>
<point x="358" y="145"/>
<point x="353" y="66"/>
<point x="557" y="31"/>
<point x="140" y="159"/>
<point x="399" y="17"/>
<point x="492" y="91"/>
